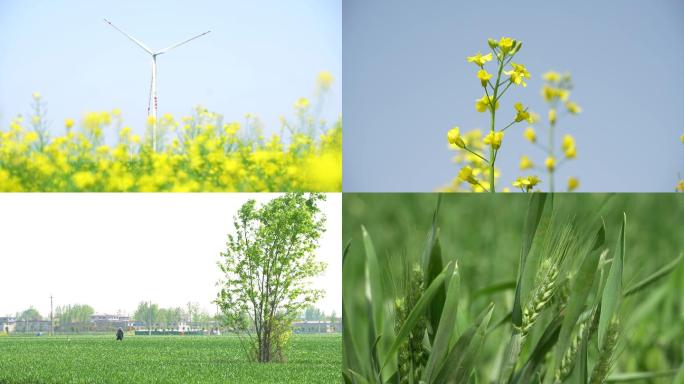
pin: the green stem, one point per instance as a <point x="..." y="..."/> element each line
<point x="551" y="154"/>
<point x="492" y="110"/>
<point x="476" y="154"/>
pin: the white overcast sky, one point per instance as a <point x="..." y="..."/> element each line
<point x="113" y="250"/>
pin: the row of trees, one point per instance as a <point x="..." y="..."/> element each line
<point x="151" y="313"/>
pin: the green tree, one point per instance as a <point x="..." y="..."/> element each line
<point x="268" y="262"/>
<point x="149" y="314"/>
<point x="76" y="315"/>
<point x="313" y="314"/>
<point x="30" y="314"/>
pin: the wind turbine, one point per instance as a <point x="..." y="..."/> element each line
<point x="153" y="85"/>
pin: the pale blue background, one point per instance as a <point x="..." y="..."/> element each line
<point x="406" y="82"/>
<point x="260" y="57"/>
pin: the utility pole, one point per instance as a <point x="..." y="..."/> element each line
<point x="52" y="319"/>
<point x="149" y="316"/>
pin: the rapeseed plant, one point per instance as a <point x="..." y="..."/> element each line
<point x="479" y="168"/>
<point x="555" y="91"/>
<point x="200" y="152"/>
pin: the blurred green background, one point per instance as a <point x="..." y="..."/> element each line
<point x="483" y="233"/>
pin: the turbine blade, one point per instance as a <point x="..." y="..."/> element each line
<point x="140" y="44"/>
<point x="181" y="43"/>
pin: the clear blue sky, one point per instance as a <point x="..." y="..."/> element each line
<point x="406" y="82"/>
<point x="260" y="57"/>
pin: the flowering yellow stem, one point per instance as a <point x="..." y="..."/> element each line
<point x="492" y="109"/>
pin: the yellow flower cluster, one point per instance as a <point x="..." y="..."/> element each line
<point x="196" y="153"/>
<point x="556" y="90"/>
<point x="478" y="169"/>
<point x="474" y="168"/>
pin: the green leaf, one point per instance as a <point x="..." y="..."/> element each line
<point x="581" y="288"/>
<point x="446" y="323"/>
<point x="662" y="272"/>
<point x="610" y="300"/>
<point x="534" y="214"/>
<point x="376" y="297"/>
<point x="460" y="361"/>
<point x="495" y="288"/>
<point x="538" y="355"/>
<point x="414" y="316"/>
<point x="435" y="267"/>
<point x="357" y="330"/>
<point x="346" y="250"/>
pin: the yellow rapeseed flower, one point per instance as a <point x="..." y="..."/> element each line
<point x="454" y="137"/>
<point x="573" y="107"/>
<point x="682" y="138"/>
<point x="522" y="114"/>
<point x="483" y="103"/>
<point x="530" y="135"/>
<point x="552" y="116"/>
<point x="571" y="153"/>
<point x="301" y="104"/>
<point x="83" y="179"/>
<point x="526" y="183"/>
<point x="479" y="59"/>
<point x="550" y="163"/>
<point x="484" y="76"/>
<point x="506" y="44"/>
<point x="551" y="76"/>
<point x="324" y="80"/>
<point x="568" y="142"/>
<point x="466" y="174"/>
<point x="36" y="95"/>
<point x="518" y="74"/>
<point x="525" y="163"/>
<point x="494" y="139"/>
<point x="573" y="183"/>
<point x="68" y="123"/>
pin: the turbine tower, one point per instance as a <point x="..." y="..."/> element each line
<point x="153" y="84"/>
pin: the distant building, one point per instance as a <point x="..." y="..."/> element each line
<point x="107" y="318"/>
<point x="316" y="326"/>
<point x="8" y="324"/>
<point x="106" y="321"/>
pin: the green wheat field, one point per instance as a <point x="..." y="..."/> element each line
<point x="441" y="296"/>
<point x="159" y="359"/>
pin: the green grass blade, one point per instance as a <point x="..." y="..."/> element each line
<point x="357" y="331"/>
<point x="534" y="214"/>
<point x="383" y="326"/>
<point x="435" y="267"/>
<point x="581" y="288"/>
<point x="653" y="278"/>
<point x="445" y="329"/>
<point x="610" y="300"/>
<point x="460" y="361"/>
<point x="495" y="288"/>
<point x="414" y="316"/>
